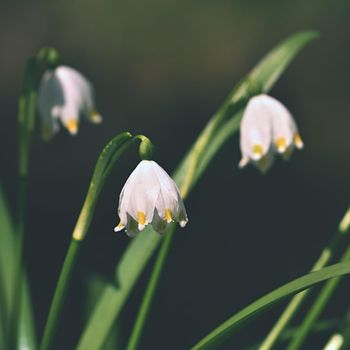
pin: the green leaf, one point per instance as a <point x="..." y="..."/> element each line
<point x="213" y="137"/>
<point x="7" y="247"/>
<point x="213" y="339"/>
<point x="95" y="286"/>
<point x="114" y="296"/>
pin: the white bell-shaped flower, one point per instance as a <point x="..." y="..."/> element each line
<point x="149" y="196"/>
<point x="64" y="96"/>
<point x="267" y="127"/>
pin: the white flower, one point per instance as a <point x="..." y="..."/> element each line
<point x="65" y="95"/>
<point x="149" y="196"/>
<point x="267" y="128"/>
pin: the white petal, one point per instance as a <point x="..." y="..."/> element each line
<point x="66" y="94"/>
<point x="150" y="196"/>
<point x="284" y="128"/>
<point x="255" y="130"/>
<point x="181" y="215"/>
<point x="169" y="193"/>
<point x="140" y="192"/>
<point x="50" y="98"/>
<point x="78" y="91"/>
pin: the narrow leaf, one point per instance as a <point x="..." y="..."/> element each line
<point x="213" y="339"/>
<point x="95" y="286"/>
<point x="7" y="246"/>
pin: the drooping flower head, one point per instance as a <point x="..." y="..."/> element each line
<point x="65" y="95"/>
<point x="267" y="128"/>
<point x="149" y="196"/>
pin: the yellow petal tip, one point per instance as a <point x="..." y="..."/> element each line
<point x="72" y="126"/>
<point x="168" y="216"/>
<point x="95" y="117"/>
<point x="141" y="220"/>
<point x="281" y="145"/>
<point x="119" y="227"/>
<point x="298" y="141"/>
<point x="257" y="151"/>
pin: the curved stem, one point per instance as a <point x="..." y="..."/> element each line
<point x="78" y="235"/>
<point x="151" y="287"/>
<point x="294" y="305"/>
<point x="108" y="157"/>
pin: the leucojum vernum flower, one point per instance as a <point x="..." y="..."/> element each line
<point x="149" y="196"/>
<point x="65" y="95"/>
<point x="267" y="128"/>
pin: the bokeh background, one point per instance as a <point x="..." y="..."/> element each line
<point x="162" y="68"/>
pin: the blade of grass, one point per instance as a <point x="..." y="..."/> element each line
<point x="322" y="326"/>
<point x="294" y="305"/>
<point x="7" y="246"/>
<point x="26" y="121"/>
<point x="319" y="304"/>
<point x="190" y="170"/>
<point x="219" y="334"/>
<point x="95" y="285"/>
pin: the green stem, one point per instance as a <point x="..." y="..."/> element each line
<point x="317" y="308"/>
<point x="60" y="292"/>
<point x="78" y="235"/>
<point x="150" y="291"/>
<point x="16" y="308"/>
<point x="108" y="157"/>
<point x="26" y="119"/>
<point x="3" y="313"/>
<point x="294" y="305"/>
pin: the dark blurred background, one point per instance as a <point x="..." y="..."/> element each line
<point x="162" y="68"/>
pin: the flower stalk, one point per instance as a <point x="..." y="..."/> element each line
<point x="26" y="121"/>
<point x="105" y="164"/>
<point x="27" y="107"/>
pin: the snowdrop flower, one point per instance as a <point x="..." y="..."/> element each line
<point x="64" y="96"/>
<point x="149" y="196"/>
<point x="267" y="128"/>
